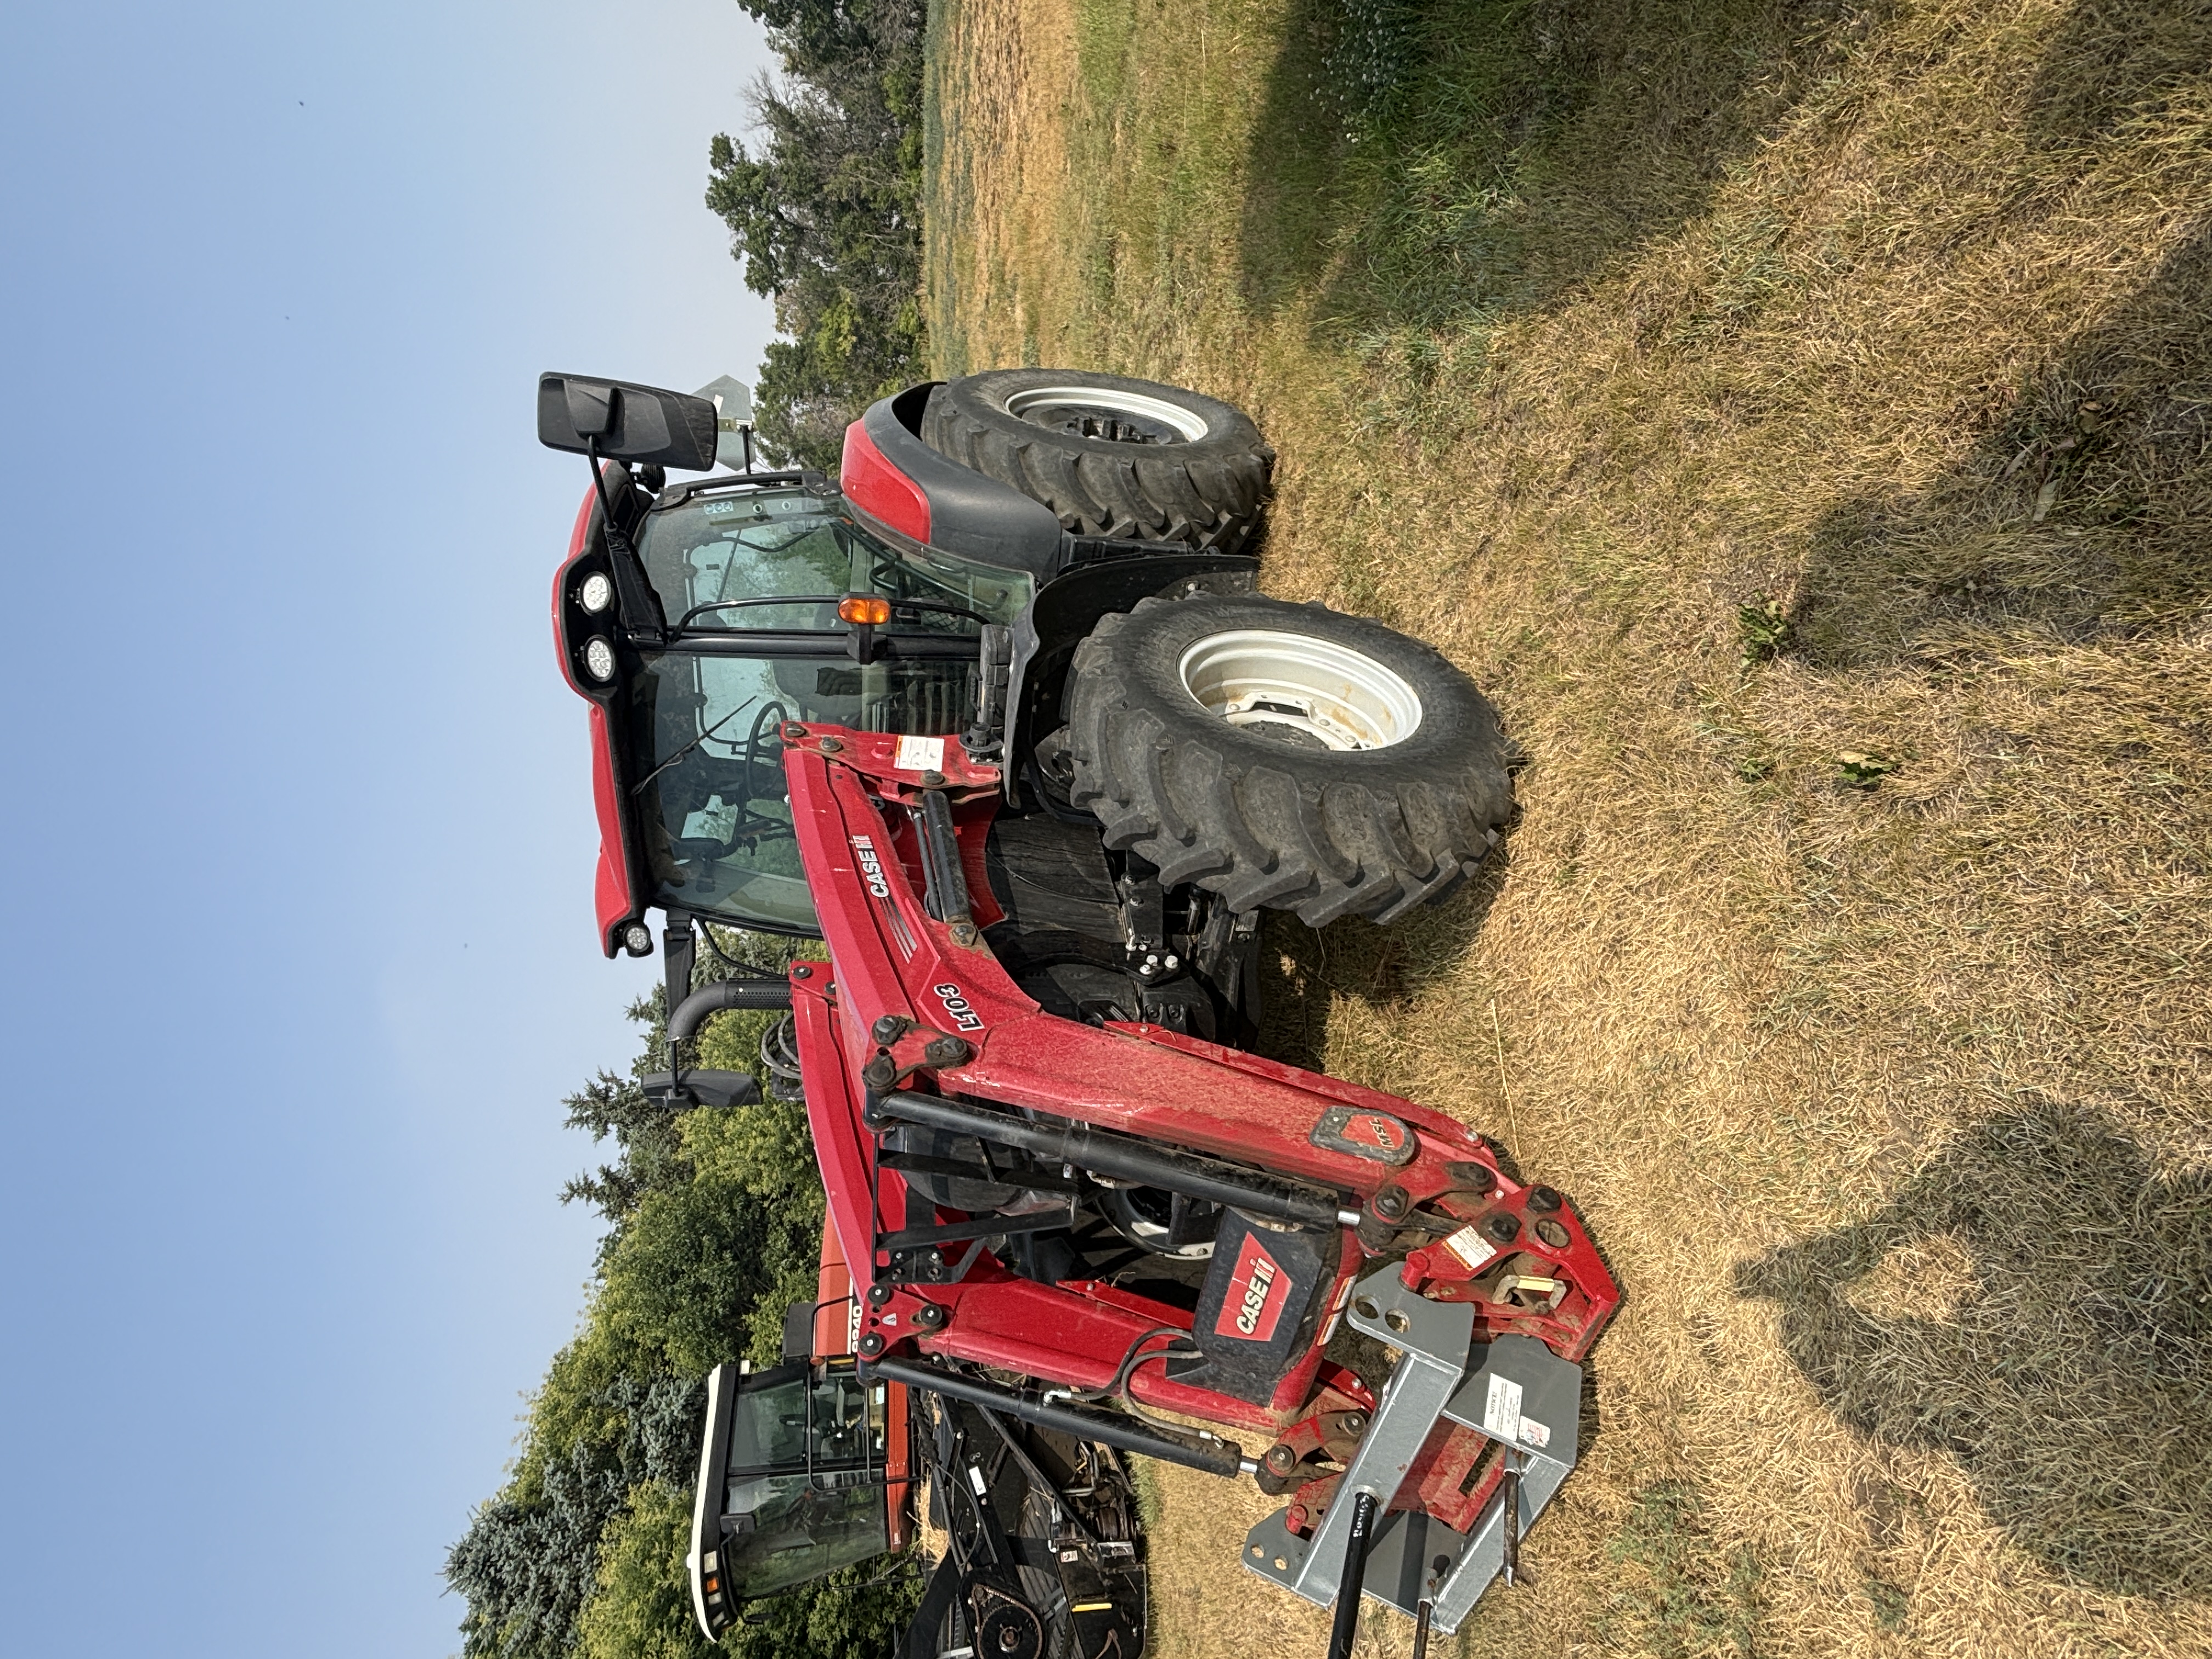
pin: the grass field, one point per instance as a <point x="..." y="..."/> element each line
<point x="1794" y="416"/>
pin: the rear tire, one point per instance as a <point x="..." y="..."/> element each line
<point x="1114" y="457"/>
<point x="1285" y="757"/>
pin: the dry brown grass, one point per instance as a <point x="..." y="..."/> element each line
<point x="1887" y="1101"/>
<point x="998" y="157"/>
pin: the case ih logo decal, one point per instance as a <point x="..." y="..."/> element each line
<point x="1257" y="1290"/>
<point x="1375" y="1136"/>
<point x="871" y="868"/>
<point x="956" y="1005"/>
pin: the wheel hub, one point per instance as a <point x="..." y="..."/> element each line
<point x="1006" y="1629"/>
<point x="1300" y="691"/>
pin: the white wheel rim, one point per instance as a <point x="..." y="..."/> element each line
<point x="1187" y="422"/>
<point x="1302" y="690"/>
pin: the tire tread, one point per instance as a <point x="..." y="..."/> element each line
<point x="1265" y="834"/>
<point x="1205" y="495"/>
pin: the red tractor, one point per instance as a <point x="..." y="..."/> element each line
<point x="1000" y="716"/>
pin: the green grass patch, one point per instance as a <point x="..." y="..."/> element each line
<point x="1682" y="1595"/>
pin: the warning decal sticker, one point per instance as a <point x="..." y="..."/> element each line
<point x="1470" y="1247"/>
<point x="920" y="754"/>
<point x="1501" y="1410"/>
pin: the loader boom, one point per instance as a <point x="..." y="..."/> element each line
<point x="914" y="1020"/>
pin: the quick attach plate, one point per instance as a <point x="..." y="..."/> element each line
<point x="1520" y="1393"/>
<point x="1432" y="1339"/>
<point x="1528" y="1398"/>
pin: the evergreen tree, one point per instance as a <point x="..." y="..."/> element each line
<point x="714" y="1227"/>
<point x="825" y="211"/>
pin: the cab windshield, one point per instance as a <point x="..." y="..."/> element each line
<point x="802" y="1526"/>
<point x="714" y="561"/>
<point x="759" y="571"/>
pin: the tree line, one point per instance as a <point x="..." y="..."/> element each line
<point x="714" y="1227"/>
<point x="825" y="208"/>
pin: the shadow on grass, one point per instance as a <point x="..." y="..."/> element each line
<point x="1302" y="971"/>
<point x="2067" y="1364"/>
<point x="1470" y="158"/>
<point x="2114" y="59"/>
<point x="2082" y="513"/>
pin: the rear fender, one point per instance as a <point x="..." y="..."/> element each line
<point x="907" y="491"/>
<point x="914" y="498"/>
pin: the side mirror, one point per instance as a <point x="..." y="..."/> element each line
<point x="798" y="1331"/>
<point x="626" y="423"/>
<point x="717" y="1090"/>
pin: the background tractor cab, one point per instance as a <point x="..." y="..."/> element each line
<point x="803" y="1468"/>
<point x="809" y="1467"/>
<point x="792" y="1481"/>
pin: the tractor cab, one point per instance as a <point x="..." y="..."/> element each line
<point x="780" y="608"/>
<point x="794" y="1480"/>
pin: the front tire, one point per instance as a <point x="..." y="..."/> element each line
<point x="1285" y="757"/>
<point x="1114" y="457"/>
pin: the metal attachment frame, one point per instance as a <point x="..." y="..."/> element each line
<point x="1401" y="1570"/>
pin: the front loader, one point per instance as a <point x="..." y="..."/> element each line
<point x="1000" y="716"/>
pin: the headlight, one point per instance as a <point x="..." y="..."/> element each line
<point x="595" y="593"/>
<point x="637" y="939"/>
<point x="599" y="658"/>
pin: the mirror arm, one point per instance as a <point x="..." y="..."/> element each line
<point x="636" y="603"/>
<point x="677" y="948"/>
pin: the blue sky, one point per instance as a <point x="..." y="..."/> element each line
<point x="298" y="834"/>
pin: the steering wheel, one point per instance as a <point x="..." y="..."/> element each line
<point x="745" y="770"/>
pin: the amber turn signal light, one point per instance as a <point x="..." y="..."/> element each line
<point x="863" y="609"/>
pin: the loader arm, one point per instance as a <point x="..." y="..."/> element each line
<point x="1344" y="1202"/>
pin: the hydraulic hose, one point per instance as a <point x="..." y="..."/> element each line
<point x="1125" y="1156"/>
<point x="1106" y="1430"/>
